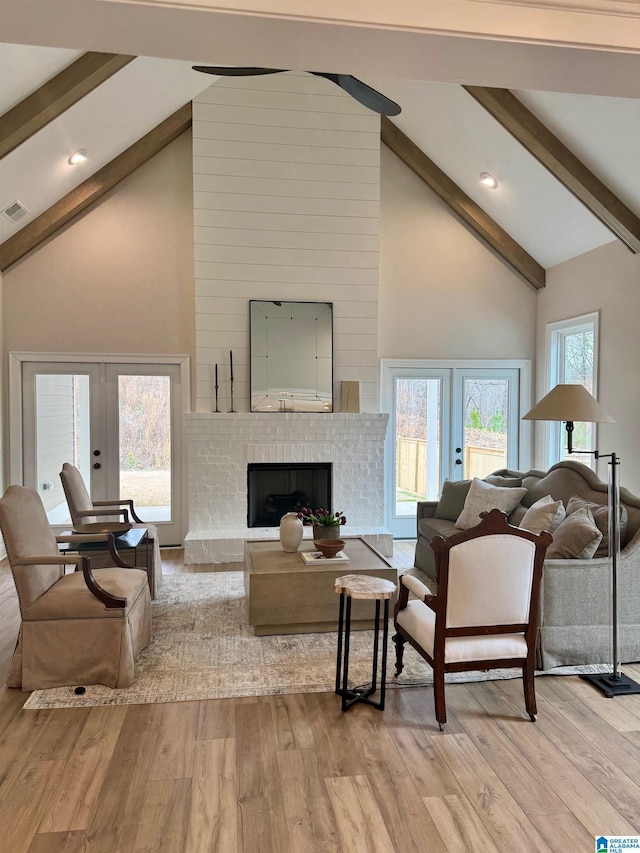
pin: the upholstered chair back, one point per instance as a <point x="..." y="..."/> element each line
<point x="490" y="580"/>
<point x="27" y="532"/>
<point x="76" y="493"/>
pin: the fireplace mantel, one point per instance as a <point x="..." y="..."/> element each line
<point x="220" y="447"/>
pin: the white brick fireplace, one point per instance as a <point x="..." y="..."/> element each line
<point x="220" y="446"/>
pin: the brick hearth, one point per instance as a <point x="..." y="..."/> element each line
<point x="220" y="446"/>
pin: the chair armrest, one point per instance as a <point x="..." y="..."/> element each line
<point x="111" y="602"/>
<point x="415" y="586"/>
<point x="128" y="502"/>
<point x="410" y="584"/>
<point x="48" y="560"/>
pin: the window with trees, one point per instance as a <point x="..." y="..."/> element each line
<point x="572" y="348"/>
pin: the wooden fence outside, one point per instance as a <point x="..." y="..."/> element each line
<point x="411" y="463"/>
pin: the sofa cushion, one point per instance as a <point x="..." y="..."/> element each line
<point x="483" y="496"/>
<point x="451" y="503"/>
<point x="576" y="538"/>
<point x="600" y="514"/>
<point x="516" y="516"/>
<point x="430" y="527"/>
<point x="544" y="514"/>
<point x="505" y="482"/>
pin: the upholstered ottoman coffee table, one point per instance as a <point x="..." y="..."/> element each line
<point x="287" y="596"/>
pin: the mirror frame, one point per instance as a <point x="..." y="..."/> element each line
<point x="287" y="401"/>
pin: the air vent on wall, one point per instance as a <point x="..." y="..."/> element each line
<point x="15" y="211"/>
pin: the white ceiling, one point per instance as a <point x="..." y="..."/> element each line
<point x="440" y="117"/>
<point x="105" y="122"/>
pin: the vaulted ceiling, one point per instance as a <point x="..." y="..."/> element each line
<point x="588" y="137"/>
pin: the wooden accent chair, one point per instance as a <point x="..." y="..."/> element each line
<point x="83" y="511"/>
<point x="485" y="613"/>
<point x="79" y="628"/>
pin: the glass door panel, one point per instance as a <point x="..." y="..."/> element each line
<point x="60" y="420"/>
<point x="485" y="420"/>
<point x="418" y="413"/>
<point x="417" y="444"/>
<point x="144" y="438"/>
<point x="144" y="421"/>
<point x="485" y="437"/>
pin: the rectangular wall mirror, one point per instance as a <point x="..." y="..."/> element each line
<point x="291" y="356"/>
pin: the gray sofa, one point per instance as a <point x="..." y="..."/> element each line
<point x="575" y="607"/>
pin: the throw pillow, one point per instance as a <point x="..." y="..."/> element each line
<point x="452" y="499"/>
<point x="500" y="480"/>
<point x="577" y="538"/>
<point x="483" y="496"/>
<point x="600" y="514"/>
<point x="544" y="514"/>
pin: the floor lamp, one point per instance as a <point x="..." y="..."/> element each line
<point x="570" y="403"/>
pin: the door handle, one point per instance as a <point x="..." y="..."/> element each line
<point x="97" y="465"/>
<point x="458" y="462"/>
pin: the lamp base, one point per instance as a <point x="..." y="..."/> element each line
<point x="612" y="686"/>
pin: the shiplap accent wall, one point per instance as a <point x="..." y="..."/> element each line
<point x="286" y="206"/>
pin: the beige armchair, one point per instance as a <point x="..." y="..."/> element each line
<point x="486" y="610"/>
<point x="85" y="511"/>
<point x="80" y="628"/>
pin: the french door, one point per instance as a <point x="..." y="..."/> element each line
<point x="119" y="423"/>
<point x="448" y="422"/>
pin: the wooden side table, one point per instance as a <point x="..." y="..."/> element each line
<point x="362" y="587"/>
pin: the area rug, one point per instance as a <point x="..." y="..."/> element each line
<point x="204" y="648"/>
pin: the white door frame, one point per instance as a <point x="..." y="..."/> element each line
<point x="17" y="359"/>
<point x="388" y="369"/>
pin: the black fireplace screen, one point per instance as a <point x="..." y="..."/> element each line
<point x="274" y="489"/>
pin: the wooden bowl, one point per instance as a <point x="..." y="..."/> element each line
<point x="329" y="547"/>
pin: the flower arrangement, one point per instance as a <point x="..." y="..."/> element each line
<point x="321" y="517"/>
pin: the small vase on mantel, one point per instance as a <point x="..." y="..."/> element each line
<point x="291" y="531"/>
<point x="320" y="531"/>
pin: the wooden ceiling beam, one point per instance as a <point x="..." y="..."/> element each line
<point x="489" y="230"/>
<point x="56" y="96"/>
<point x="554" y="155"/>
<point x="93" y="188"/>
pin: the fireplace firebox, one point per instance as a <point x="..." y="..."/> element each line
<point x="277" y="488"/>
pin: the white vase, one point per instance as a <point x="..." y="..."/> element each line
<point x="291" y="531"/>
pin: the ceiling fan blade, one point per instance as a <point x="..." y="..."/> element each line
<point x="367" y="96"/>
<point x="223" y="71"/>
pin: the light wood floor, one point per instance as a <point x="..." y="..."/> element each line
<point x="292" y="774"/>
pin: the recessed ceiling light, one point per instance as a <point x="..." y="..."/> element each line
<point x="78" y="156"/>
<point x="488" y="180"/>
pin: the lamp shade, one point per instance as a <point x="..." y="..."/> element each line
<point x="569" y="403"/>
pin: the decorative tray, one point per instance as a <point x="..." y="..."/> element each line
<point x="116" y="527"/>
